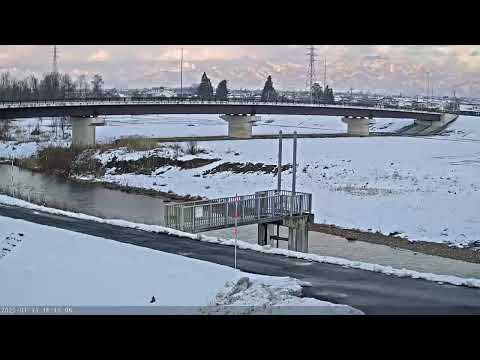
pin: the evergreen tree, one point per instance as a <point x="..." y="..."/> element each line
<point x="205" y="90"/>
<point x="222" y="90"/>
<point x="317" y="93"/>
<point x="328" y="97"/>
<point x="269" y="93"/>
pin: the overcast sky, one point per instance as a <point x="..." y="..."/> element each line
<point x="390" y="68"/>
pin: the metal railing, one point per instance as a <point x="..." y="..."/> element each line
<point x="6" y="104"/>
<point x="262" y="206"/>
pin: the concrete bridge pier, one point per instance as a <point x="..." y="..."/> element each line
<point x="445" y="119"/>
<point x="83" y="130"/>
<point x="240" y="126"/>
<point x="357" y="126"/>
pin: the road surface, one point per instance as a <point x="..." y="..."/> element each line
<point x="373" y="293"/>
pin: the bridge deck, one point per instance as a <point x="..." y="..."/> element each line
<point x="260" y="207"/>
<point x="84" y="107"/>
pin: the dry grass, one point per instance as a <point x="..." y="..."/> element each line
<point x="134" y="143"/>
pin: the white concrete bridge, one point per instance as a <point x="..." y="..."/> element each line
<point x="240" y="115"/>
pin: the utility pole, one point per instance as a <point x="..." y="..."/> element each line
<point x="279" y="174"/>
<point x="294" y="171"/>
<point x="426" y="92"/>
<point x="325" y="75"/>
<point x="311" y="69"/>
<point x="181" y="74"/>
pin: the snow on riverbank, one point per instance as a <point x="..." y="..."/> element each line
<point x="212" y="125"/>
<point x="41" y="265"/>
<point x="22" y="150"/>
<point x="423" y="188"/>
<point x="454" y="280"/>
<point x="14" y="150"/>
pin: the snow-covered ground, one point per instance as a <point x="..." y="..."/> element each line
<point x="41" y="265"/>
<point x="424" y="188"/>
<point x="212" y="125"/>
<point x="14" y="150"/>
<point x="388" y="270"/>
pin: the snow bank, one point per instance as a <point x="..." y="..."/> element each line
<point x="388" y="270"/>
<point x="259" y="294"/>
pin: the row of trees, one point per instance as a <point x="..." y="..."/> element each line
<point x="50" y="86"/>
<point x="205" y="91"/>
<point x="320" y="95"/>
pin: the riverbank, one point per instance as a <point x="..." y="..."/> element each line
<point x="471" y="255"/>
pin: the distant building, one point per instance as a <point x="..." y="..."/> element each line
<point x="160" y="92"/>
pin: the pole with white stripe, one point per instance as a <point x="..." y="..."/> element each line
<point x="236" y="229"/>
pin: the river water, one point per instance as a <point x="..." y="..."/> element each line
<point x="94" y="199"/>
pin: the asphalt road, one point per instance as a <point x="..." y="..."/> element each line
<point x="373" y="293"/>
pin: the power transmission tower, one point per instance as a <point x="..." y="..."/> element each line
<point x="181" y="74"/>
<point x="311" y="69"/>
<point x="325" y="75"/>
<point x="55" y="60"/>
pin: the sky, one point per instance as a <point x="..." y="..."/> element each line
<point x="377" y="68"/>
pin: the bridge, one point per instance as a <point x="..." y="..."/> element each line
<point x="265" y="208"/>
<point x="240" y="114"/>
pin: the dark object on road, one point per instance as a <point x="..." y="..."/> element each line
<point x="153" y="300"/>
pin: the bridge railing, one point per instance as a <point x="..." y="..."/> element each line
<point x="178" y="100"/>
<point x="262" y="206"/>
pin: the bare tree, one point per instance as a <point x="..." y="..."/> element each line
<point x="82" y="85"/>
<point x="192" y="148"/>
<point x="97" y="85"/>
<point x="5" y="130"/>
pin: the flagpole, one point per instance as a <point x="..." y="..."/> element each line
<point x="236" y="229"/>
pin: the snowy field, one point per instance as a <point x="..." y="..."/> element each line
<point x="212" y="125"/>
<point x="424" y="188"/>
<point x="41" y="265"/>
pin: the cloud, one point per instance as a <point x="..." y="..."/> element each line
<point x="99" y="56"/>
<point x="398" y="68"/>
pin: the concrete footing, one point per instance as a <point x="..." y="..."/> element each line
<point x="264" y="232"/>
<point x="357" y="126"/>
<point x="297" y="233"/>
<point x="240" y="126"/>
<point x="83" y="130"/>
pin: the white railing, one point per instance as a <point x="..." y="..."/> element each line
<point x="263" y="206"/>
<point x="86" y="102"/>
